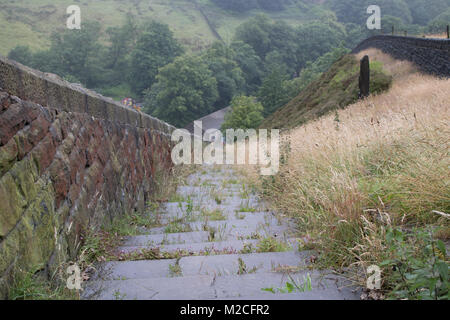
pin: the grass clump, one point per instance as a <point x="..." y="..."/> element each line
<point x="246" y="209"/>
<point x="271" y="244"/>
<point x="175" y="269"/>
<point x="383" y="169"/>
<point x="213" y="215"/>
<point x="31" y="286"/>
<point x="177" y="227"/>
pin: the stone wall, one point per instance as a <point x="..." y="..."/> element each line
<point x="430" y="55"/>
<point x="69" y="159"/>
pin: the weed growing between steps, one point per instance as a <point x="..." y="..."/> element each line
<point x="293" y="286"/>
<point x="175" y="269"/>
<point x="30" y="286"/>
<point x="271" y="244"/>
<point x="213" y="215"/>
<point x="177" y="227"/>
<point x="380" y="171"/>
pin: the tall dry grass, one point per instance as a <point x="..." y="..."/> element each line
<point x="380" y="162"/>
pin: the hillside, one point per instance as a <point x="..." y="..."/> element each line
<point x="336" y="88"/>
<point x="196" y="23"/>
<point x="365" y="185"/>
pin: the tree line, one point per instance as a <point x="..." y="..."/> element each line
<point x="264" y="66"/>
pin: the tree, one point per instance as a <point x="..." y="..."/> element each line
<point x="250" y="64"/>
<point x="122" y="40"/>
<point x="440" y="23"/>
<point x="354" y="11"/>
<point x="423" y="11"/>
<point x="74" y="53"/>
<point x="272" y="94"/>
<point x="155" y="48"/>
<point x="256" y="33"/>
<point x="317" y="38"/>
<point x="230" y="79"/>
<point x="185" y="90"/>
<point x="312" y="71"/>
<point x="237" y="5"/>
<point x="21" y="54"/>
<point x="246" y="113"/>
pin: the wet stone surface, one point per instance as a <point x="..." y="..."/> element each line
<point x="232" y="248"/>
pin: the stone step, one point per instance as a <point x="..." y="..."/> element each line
<point x="223" y="265"/>
<point x="254" y="221"/>
<point x="233" y="246"/>
<point x="166" y="238"/>
<point x="327" y="294"/>
<point x="182" y="288"/>
<point x="201" y="287"/>
<point x="253" y="284"/>
<point x="209" y="248"/>
<point x="219" y="265"/>
<point x="196" y="216"/>
<point x="226" y="232"/>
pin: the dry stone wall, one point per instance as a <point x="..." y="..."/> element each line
<point x="69" y="159"/>
<point x="432" y="56"/>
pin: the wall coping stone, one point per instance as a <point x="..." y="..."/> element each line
<point x="50" y="90"/>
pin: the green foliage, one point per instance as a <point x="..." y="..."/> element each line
<point x="185" y="90"/>
<point x="336" y="88"/>
<point x="416" y="267"/>
<point x="175" y="269"/>
<point x="313" y="71"/>
<point x="250" y="64"/>
<point x="117" y="59"/>
<point x="440" y="23"/>
<point x="423" y="11"/>
<point x="271" y="244"/>
<point x="213" y="215"/>
<point x="177" y="227"/>
<point x="245" y="113"/>
<point x="293" y="286"/>
<point x="317" y="38"/>
<point x="21" y="54"/>
<point x="29" y="286"/>
<point x="74" y="53"/>
<point x="155" y="48"/>
<point x="272" y="93"/>
<point x="354" y="11"/>
<point x="246" y="5"/>
<point x="230" y="80"/>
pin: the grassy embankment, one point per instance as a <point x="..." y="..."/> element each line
<point x="369" y="185"/>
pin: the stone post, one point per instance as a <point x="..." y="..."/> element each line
<point x="364" y="78"/>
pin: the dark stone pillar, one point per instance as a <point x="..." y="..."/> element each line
<point x="364" y="78"/>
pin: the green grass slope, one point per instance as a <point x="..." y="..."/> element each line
<point x="336" y="88"/>
<point x="196" y="23"/>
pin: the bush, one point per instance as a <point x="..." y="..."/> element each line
<point x="245" y="113"/>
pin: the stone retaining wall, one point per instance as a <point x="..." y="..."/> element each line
<point x="432" y="56"/>
<point x="69" y="159"/>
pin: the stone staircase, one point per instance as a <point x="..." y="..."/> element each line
<point x="232" y="248"/>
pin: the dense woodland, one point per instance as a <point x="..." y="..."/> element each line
<point x="268" y="61"/>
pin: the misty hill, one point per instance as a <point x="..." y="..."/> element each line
<point x="196" y="23"/>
